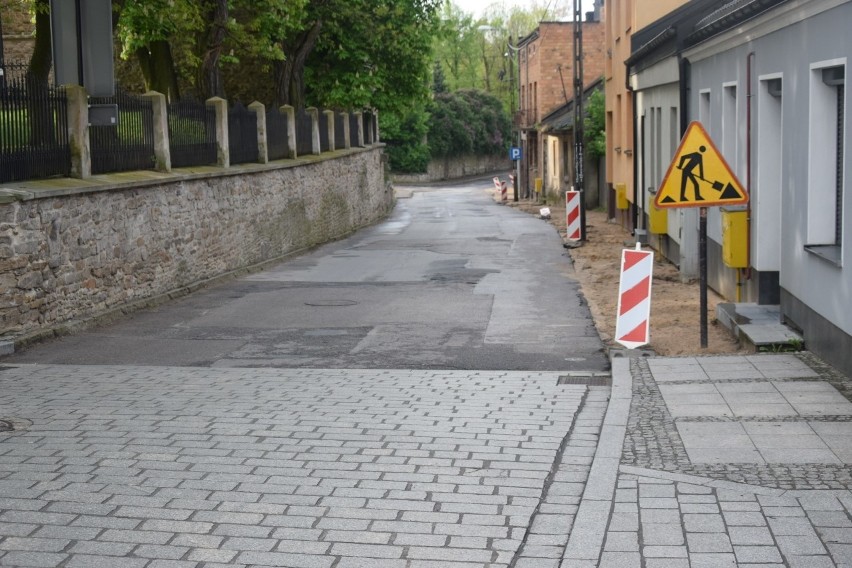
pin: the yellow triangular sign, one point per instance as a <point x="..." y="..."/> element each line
<point x="699" y="176"/>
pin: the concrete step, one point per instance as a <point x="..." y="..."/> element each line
<point x="759" y="326"/>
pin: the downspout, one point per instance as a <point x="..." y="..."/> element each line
<point x="636" y="187"/>
<point x="749" y="95"/>
<point x="684" y="84"/>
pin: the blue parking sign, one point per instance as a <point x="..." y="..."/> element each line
<point x="514" y="153"/>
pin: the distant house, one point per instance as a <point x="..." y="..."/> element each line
<point x="16" y="34"/>
<point x="557" y="130"/>
<point x="546" y="73"/>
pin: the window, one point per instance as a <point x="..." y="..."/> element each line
<point x="827" y="116"/>
<point x="704" y="108"/>
<point x="729" y="126"/>
<point x="766" y="199"/>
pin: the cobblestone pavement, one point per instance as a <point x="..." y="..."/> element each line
<point x="161" y="467"/>
<point x="726" y="461"/>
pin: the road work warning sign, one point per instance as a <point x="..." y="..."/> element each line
<point x="699" y="176"/>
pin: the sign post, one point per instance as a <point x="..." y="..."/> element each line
<point x="700" y="177"/>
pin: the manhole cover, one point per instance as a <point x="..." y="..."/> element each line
<point x="331" y="303"/>
<point x="6" y="426"/>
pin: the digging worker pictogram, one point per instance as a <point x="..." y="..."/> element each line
<point x="693" y="160"/>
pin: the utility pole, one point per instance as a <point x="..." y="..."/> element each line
<point x="512" y="113"/>
<point x="578" y="114"/>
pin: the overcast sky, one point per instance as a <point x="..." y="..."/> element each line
<point x="477" y="7"/>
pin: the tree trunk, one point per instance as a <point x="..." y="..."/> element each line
<point x="158" y="69"/>
<point x="290" y="73"/>
<point x="209" y="80"/>
<point x="38" y="75"/>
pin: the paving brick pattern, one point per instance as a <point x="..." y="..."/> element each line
<point x="734" y="461"/>
<point x="165" y="467"/>
<point x="657" y="432"/>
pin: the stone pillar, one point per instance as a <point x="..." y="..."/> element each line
<point x="316" y="148"/>
<point x="346" y="140"/>
<point x="329" y="122"/>
<point x="78" y="131"/>
<point x="375" y="127"/>
<point x="223" y="151"/>
<point x="359" y="120"/>
<point x="262" y="148"/>
<point x="162" y="153"/>
<point x="291" y="130"/>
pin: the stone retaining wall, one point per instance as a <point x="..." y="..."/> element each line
<point x="458" y="167"/>
<point x="70" y="252"/>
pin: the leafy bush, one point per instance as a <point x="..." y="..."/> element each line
<point x="468" y="122"/>
<point x="404" y="136"/>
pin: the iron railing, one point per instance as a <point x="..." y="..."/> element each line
<point x="242" y="134"/>
<point x="323" y="129"/>
<point x="304" y="133"/>
<point x="339" y="133"/>
<point x="353" y="130"/>
<point x="277" y="143"/>
<point x="192" y="133"/>
<point x="369" y="133"/>
<point x="129" y="144"/>
<point x="33" y="128"/>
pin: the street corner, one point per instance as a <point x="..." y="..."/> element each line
<point x="727" y="460"/>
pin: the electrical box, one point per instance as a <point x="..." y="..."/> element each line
<point x="538" y="182"/>
<point x="621" y="196"/>
<point x="658" y="220"/>
<point x="735" y="238"/>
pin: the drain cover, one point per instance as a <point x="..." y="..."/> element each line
<point x="596" y="381"/>
<point x="331" y="303"/>
<point x="6" y="426"/>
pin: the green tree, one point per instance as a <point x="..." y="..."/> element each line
<point x="468" y="122"/>
<point x="594" y="124"/>
<point x="372" y="53"/>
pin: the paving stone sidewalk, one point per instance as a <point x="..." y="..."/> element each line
<point x="726" y="461"/>
<point x="156" y="467"/>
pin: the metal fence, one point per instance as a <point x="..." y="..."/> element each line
<point x="242" y="134"/>
<point x="192" y="133"/>
<point x="277" y="144"/>
<point x="304" y="133"/>
<point x="369" y="133"/>
<point x="129" y="144"/>
<point x="339" y="132"/>
<point x="323" y="129"/>
<point x="353" y="130"/>
<point x="33" y="128"/>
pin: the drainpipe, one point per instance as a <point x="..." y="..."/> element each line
<point x="749" y="95"/>
<point x="684" y="84"/>
<point x="636" y="188"/>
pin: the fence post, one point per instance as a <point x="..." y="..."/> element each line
<point x="291" y="130"/>
<point x="316" y="147"/>
<point x="78" y="131"/>
<point x="347" y="143"/>
<point x="359" y="119"/>
<point x="223" y="150"/>
<point x="262" y="149"/>
<point x="162" y="154"/>
<point x="375" y="126"/>
<point x="329" y="123"/>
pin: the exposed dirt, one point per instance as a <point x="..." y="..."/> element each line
<point x="675" y="309"/>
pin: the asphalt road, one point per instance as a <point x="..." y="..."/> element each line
<point x="451" y="280"/>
